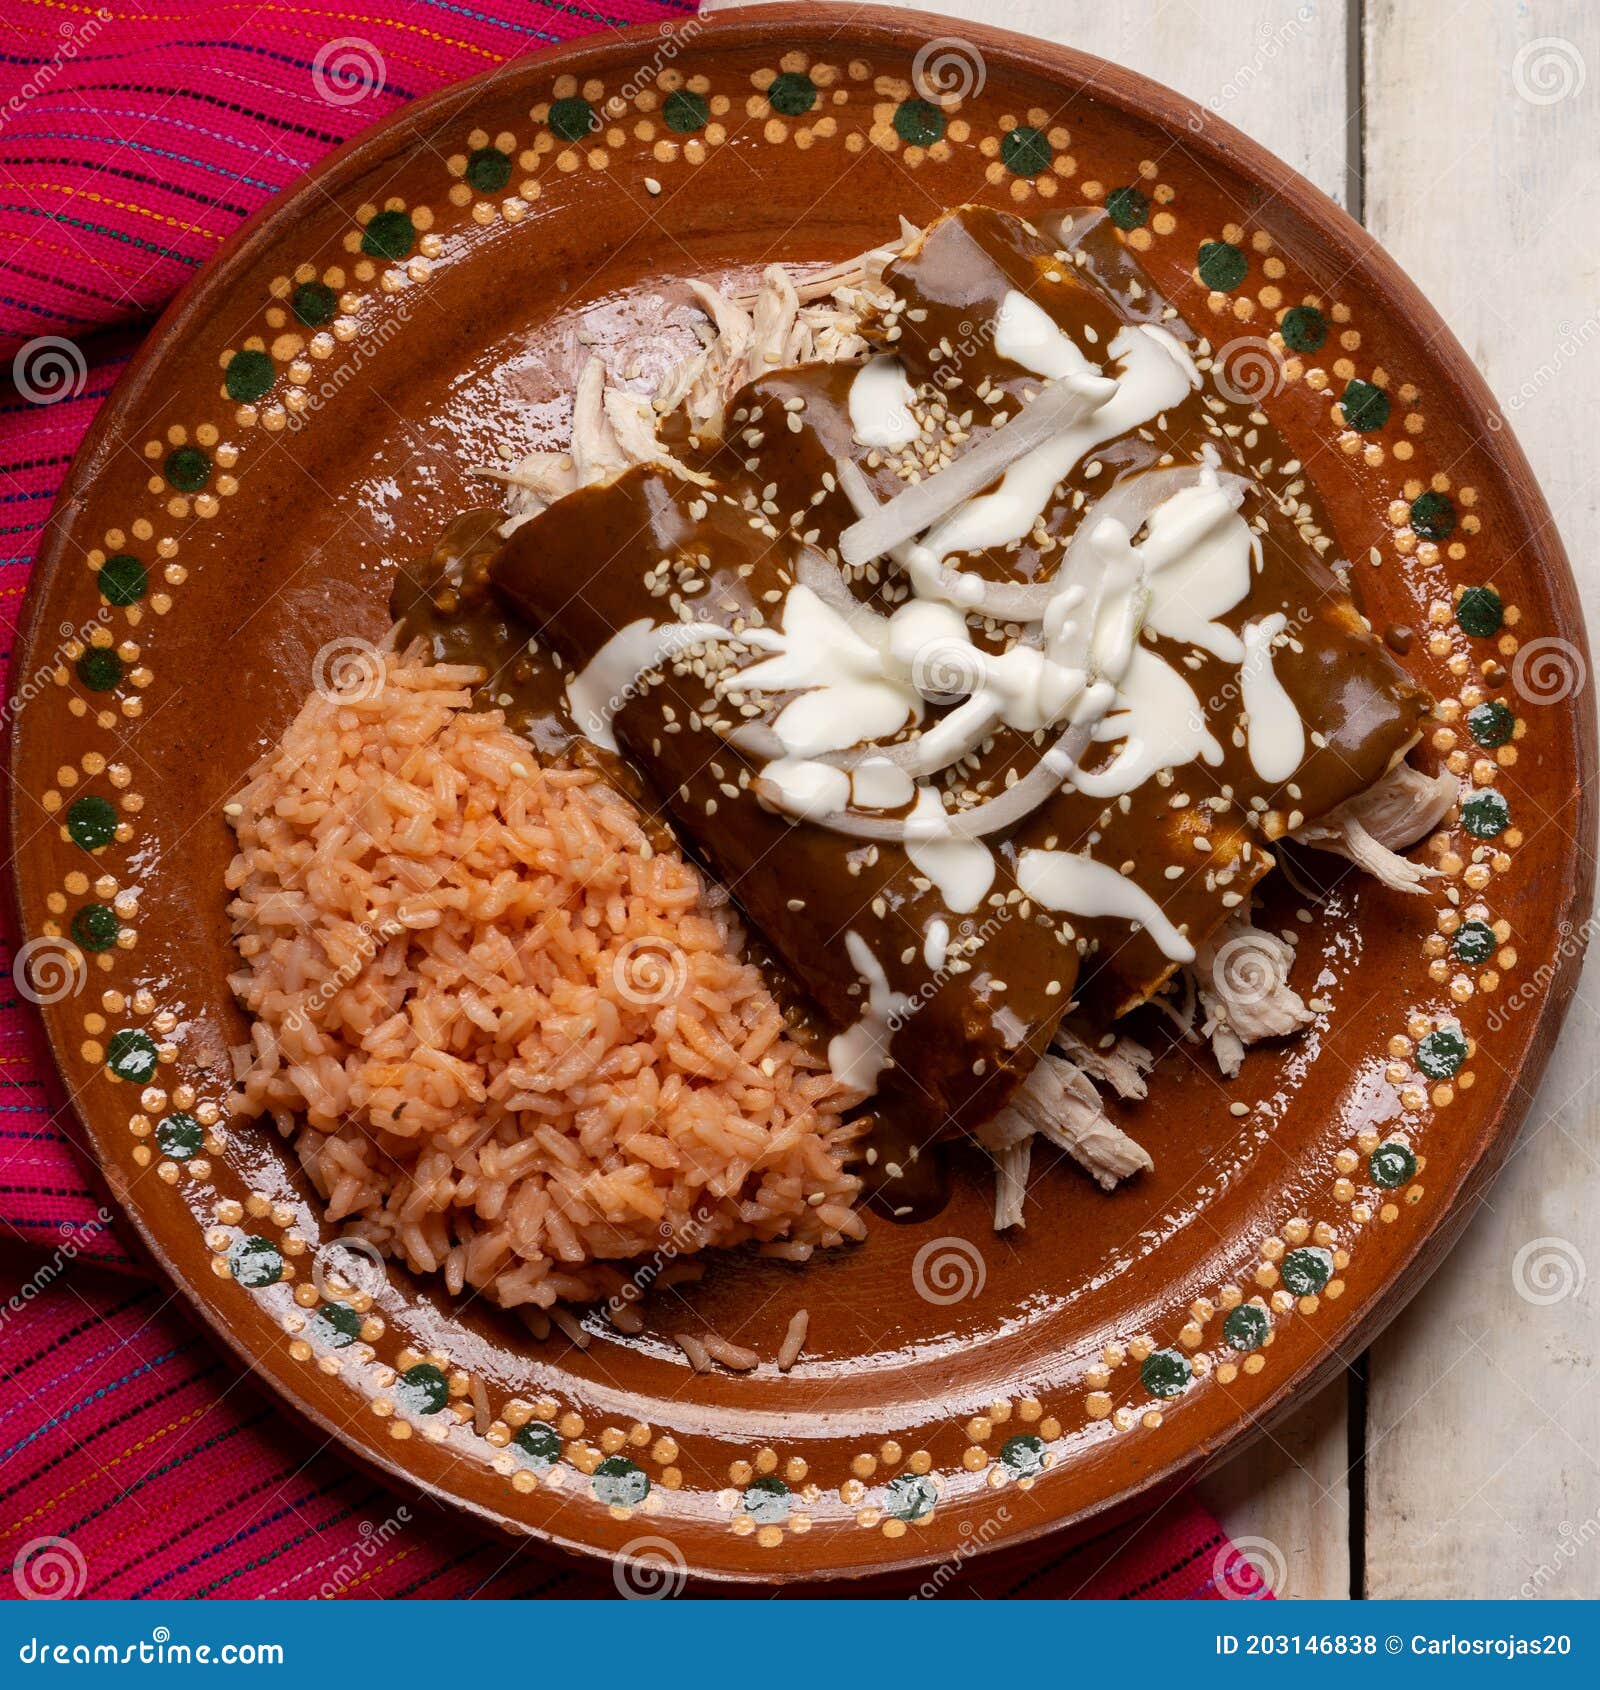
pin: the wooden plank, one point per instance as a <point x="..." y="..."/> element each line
<point x="1484" y="1424"/>
<point x="1281" y="74"/>
<point x="1286" y="1502"/>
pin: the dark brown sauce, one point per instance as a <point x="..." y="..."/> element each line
<point x="447" y="604"/>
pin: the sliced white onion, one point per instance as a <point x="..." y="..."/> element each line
<point x="1060" y="405"/>
<point x="812" y="570"/>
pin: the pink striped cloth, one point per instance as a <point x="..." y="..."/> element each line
<point x="134" y="1461"/>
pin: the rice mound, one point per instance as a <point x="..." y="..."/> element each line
<point x="509" y="1039"/>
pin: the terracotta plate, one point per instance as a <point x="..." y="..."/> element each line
<point x="300" y="424"/>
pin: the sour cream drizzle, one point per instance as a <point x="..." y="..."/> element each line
<point x="1276" y="736"/>
<point x="611" y="676"/>
<point x="881" y="401"/>
<point x="859" y="1054"/>
<point x="1062" y="881"/>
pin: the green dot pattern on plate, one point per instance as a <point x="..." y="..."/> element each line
<point x="100" y="669"/>
<point x="1023" y="1454"/>
<point x="620" y="1483"/>
<point x="1486" y="815"/>
<point x="390" y="234"/>
<point x="1222" y="265"/>
<point x="792" y="94"/>
<point x="180" y="1136"/>
<point x="1025" y="151"/>
<point x="249" y="376"/>
<point x="919" y="123"/>
<point x="256" y="1263"/>
<point x="314" y="303"/>
<point x="1306" y="1271"/>
<point x="1128" y="208"/>
<point x="910" y="1496"/>
<point x="91" y="821"/>
<point x="95" y="927"/>
<point x="1479" y="612"/>
<point x="422" y="1389"/>
<point x="1474" y="942"/>
<point x="1433" y="515"/>
<point x="122" y="579"/>
<point x="766" y="1500"/>
<point x="540" y="1444"/>
<point x="572" y="118"/>
<point x="1304" y="329"/>
<point x="1166" y="1373"/>
<point x="1247" y="1326"/>
<point x="684" y="111"/>
<point x="335" y="1326"/>
<point x="1491" y="723"/>
<point x="131" y="1055"/>
<point x="1441" y="1053"/>
<point x="187" y="468"/>
<point x="1392" y="1164"/>
<point x="488" y="170"/>
<point x="1365" y="407"/>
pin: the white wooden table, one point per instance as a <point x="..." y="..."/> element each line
<point x="1463" y="1458"/>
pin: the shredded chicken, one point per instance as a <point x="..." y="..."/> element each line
<point x="772" y="323"/>
<point x="1058" y="1102"/>
<point x="1374" y="826"/>
<point x="1113" y="1059"/>
<point x="1241" y="974"/>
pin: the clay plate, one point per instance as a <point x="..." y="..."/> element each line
<point x="299" y="425"/>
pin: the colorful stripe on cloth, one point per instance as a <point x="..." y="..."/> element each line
<point x="134" y="1460"/>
